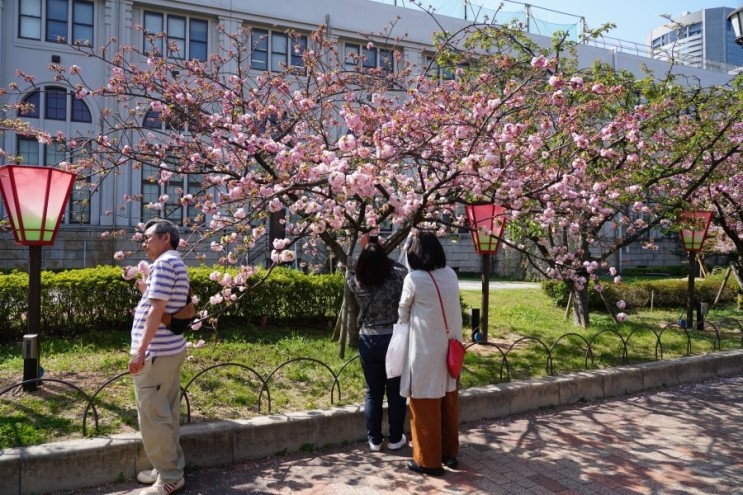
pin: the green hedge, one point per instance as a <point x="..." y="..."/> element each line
<point x="99" y="299"/>
<point x="286" y="296"/>
<point x="638" y="294"/>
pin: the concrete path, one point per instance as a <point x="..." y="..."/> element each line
<point x="687" y="439"/>
<point x="477" y="285"/>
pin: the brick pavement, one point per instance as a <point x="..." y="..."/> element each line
<point x="682" y="440"/>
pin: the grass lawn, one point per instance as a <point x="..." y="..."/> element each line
<point x="298" y="365"/>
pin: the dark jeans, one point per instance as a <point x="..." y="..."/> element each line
<point x="372" y="351"/>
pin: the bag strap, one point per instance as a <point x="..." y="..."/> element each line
<point x="441" y="302"/>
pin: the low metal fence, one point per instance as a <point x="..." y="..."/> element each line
<point x="709" y="330"/>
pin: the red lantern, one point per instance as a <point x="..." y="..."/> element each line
<point x="35" y="199"/>
<point x="486" y="226"/>
<point x="696" y="225"/>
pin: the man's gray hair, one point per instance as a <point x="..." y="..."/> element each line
<point x="163" y="226"/>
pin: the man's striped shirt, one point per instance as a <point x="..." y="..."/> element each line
<point x="168" y="281"/>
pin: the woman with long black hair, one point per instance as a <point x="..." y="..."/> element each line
<point x="376" y="282"/>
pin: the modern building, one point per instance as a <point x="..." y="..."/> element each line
<point x="702" y="39"/>
<point x="29" y="40"/>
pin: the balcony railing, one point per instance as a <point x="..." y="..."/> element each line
<point x="545" y="22"/>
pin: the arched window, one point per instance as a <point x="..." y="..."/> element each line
<point x="32" y="103"/>
<point x="55" y="101"/>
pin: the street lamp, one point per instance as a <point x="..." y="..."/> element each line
<point x="736" y="19"/>
<point x="35" y="198"/>
<point x="486" y="226"/>
<point x="693" y="233"/>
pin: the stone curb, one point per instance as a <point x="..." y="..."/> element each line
<point x="77" y="464"/>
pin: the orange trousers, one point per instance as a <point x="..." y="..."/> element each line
<point x="434" y="425"/>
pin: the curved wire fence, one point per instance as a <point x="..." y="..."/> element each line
<point x="709" y="331"/>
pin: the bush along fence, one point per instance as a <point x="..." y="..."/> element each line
<point x="99" y="299"/>
<point x="693" y="340"/>
<point x="668" y="293"/>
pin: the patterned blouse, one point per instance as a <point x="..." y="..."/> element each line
<point x="378" y="303"/>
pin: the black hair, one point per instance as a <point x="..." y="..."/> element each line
<point x="163" y="226"/>
<point x="426" y="252"/>
<point x="373" y="265"/>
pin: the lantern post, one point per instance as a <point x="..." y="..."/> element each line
<point x="35" y="200"/>
<point x="486" y="223"/>
<point x="736" y="19"/>
<point x="695" y="225"/>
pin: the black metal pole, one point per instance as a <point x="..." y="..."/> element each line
<point x="31" y="363"/>
<point x="485" y="296"/>
<point x="690" y="297"/>
<point x="34" y="289"/>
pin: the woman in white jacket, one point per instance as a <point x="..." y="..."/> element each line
<point x="434" y="398"/>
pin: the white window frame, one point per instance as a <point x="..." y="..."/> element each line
<point x="180" y="29"/>
<point x="357" y="55"/>
<point x="276" y="51"/>
<point x="177" y="186"/>
<point x="34" y="21"/>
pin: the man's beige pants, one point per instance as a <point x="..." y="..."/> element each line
<point x="158" y="391"/>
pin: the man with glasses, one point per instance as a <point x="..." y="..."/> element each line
<point x="157" y="355"/>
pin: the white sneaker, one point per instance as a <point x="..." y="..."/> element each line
<point x="398" y="445"/>
<point x="148" y="476"/>
<point x="160" y="488"/>
<point x="375" y="447"/>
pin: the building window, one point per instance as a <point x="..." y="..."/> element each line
<point x="152" y="120"/>
<point x="32" y="105"/>
<point x="55" y="107"/>
<point x="443" y="73"/>
<point x="368" y="58"/>
<point x="82" y="22"/>
<point x="79" y="204"/>
<point x="29" y="19"/>
<point x="63" y="20"/>
<point x="27" y="150"/>
<point x="55" y="103"/>
<point x="54" y="153"/>
<point x="176" y="187"/>
<point x="278" y="49"/>
<point x="197" y="41"/>
<point x="80" y="111"/>
<point x="187" y="38"/>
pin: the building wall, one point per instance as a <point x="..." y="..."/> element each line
<point x="711" y="47"/>
<point x="81" y="245"/>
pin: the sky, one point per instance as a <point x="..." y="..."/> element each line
<point x="634" y="18"/>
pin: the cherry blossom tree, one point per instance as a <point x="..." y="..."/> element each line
<point x="589" y="160"/>
<point x="723" y="194"/>
<point x="333" y="150"/>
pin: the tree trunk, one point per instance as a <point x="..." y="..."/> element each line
<point x="346" y="330"/>
<point x="580" y="307"/>
<point x="737" y="268"/>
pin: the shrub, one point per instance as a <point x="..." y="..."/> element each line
<point x="99" y="299"/>
<point x="641" y="293"/>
